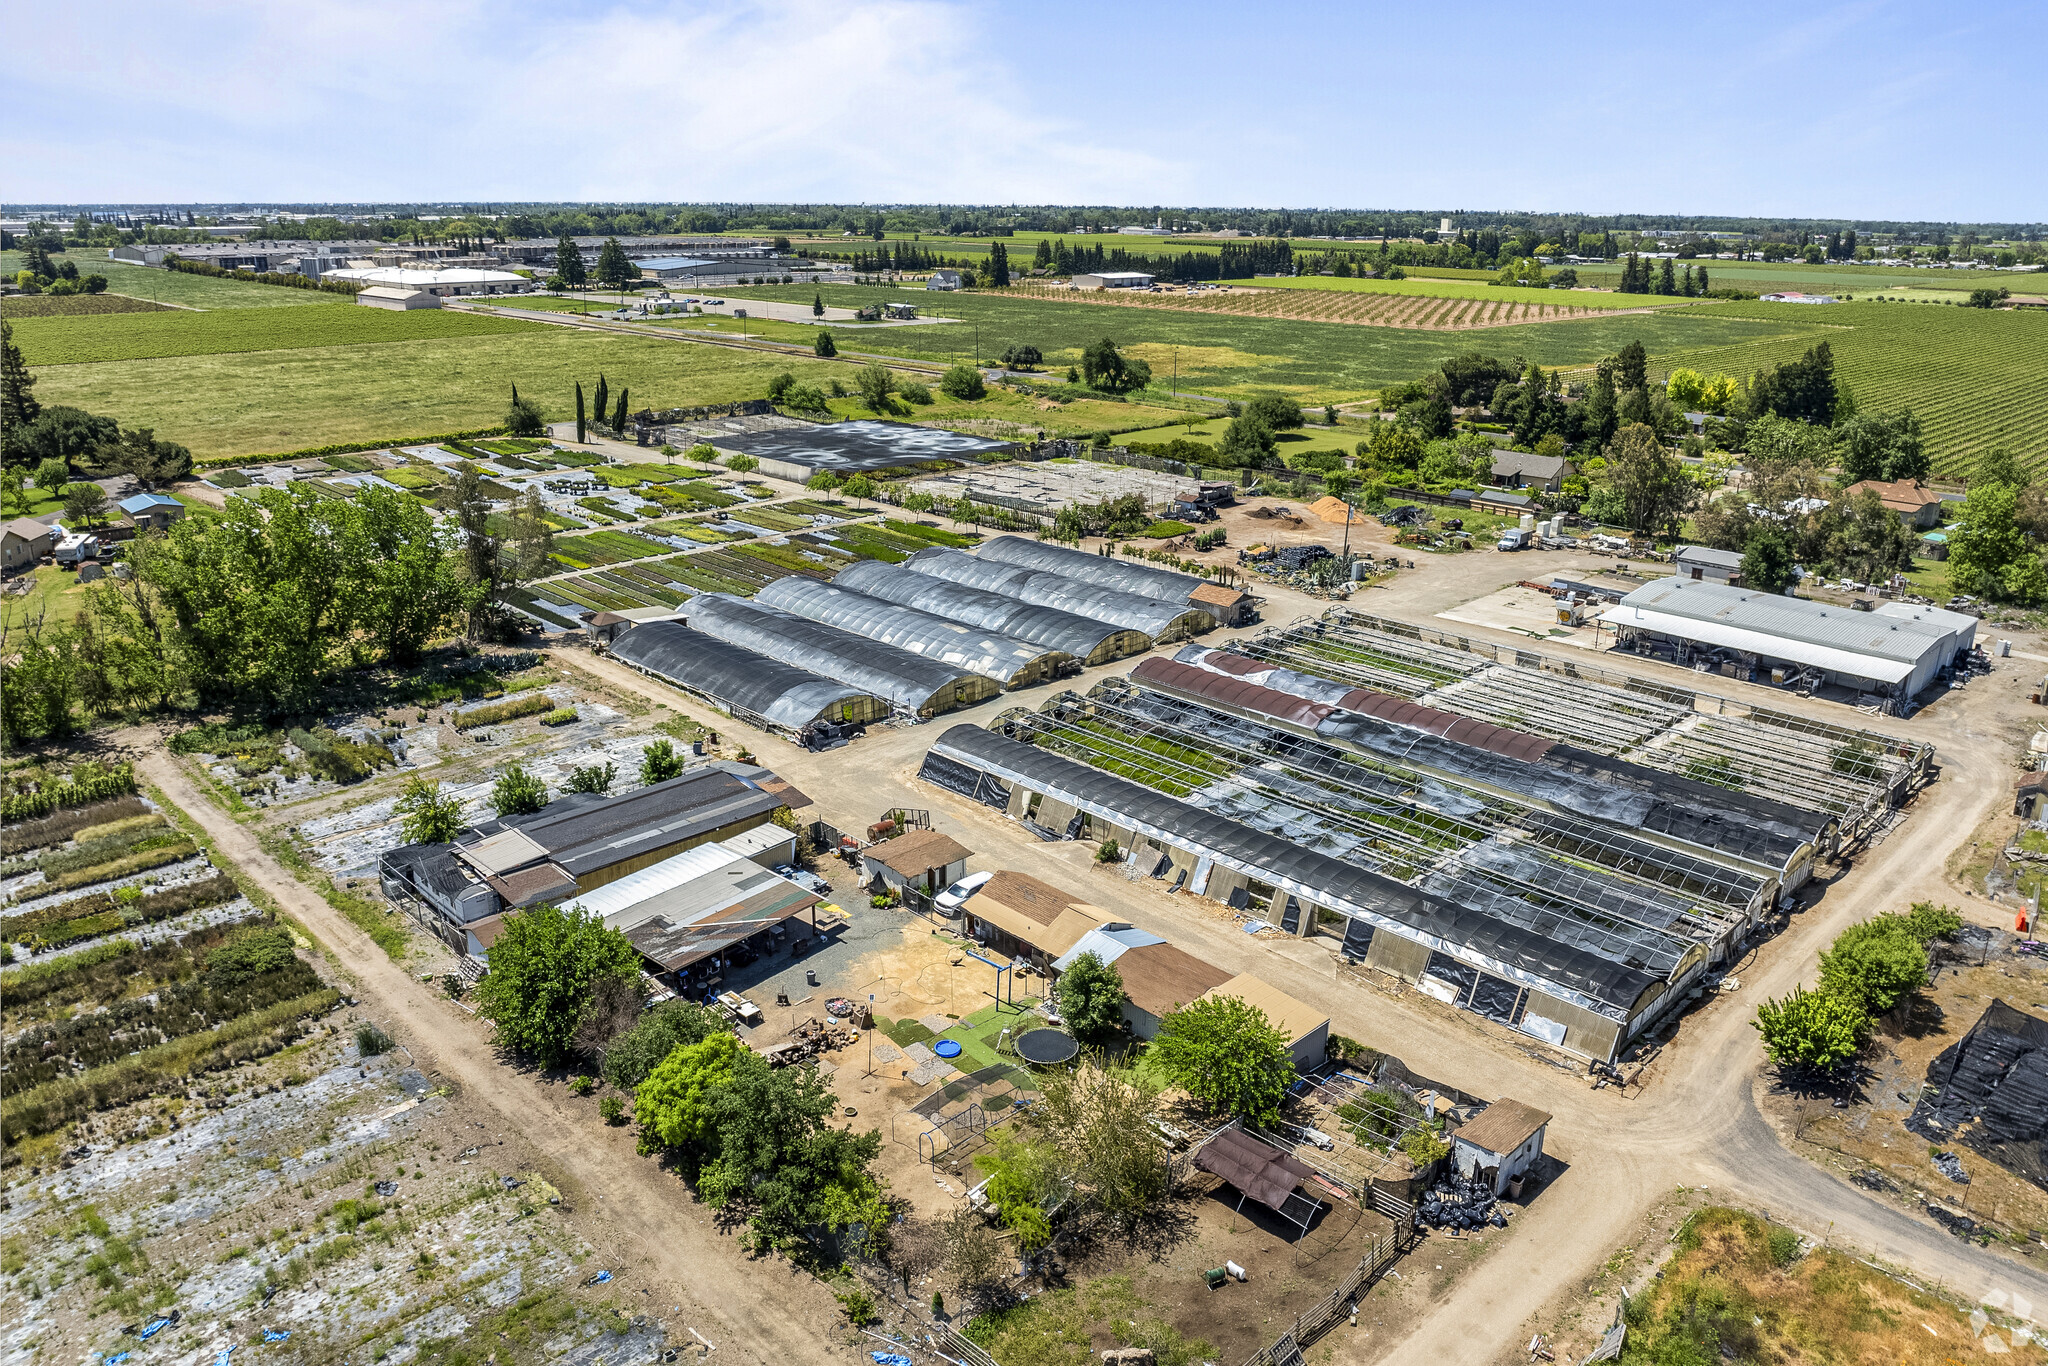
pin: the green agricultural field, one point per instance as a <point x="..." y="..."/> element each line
<point x="1241" y="356"/>
<point x="1977" y="378"/>
<point x="188" y="291"/>
<point x="1460" y="289"/>
<point x="250" y="403"/>
<point x="1343" y="438"/>
<point x="1844" y="278"/>
<point x="145" y="336"/>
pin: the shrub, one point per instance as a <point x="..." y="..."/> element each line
<point x="1782" y="1245"/>
<point x="859" y="1306"/>
<point x="915" y="391"/>
<point x="560" y="716"/>
<point x="963" y="382"/>
<point x="517" y="792"/>
<point x="582" y="1085"/>
<point x="1816" y="1029"/>
<point x="612" y="1110"/>
<point x="86" y="784"/>
<point x="1424" y="1145"/>
<point x="372" y="1041"/>
<point x="1108" y="853"/>
<point x="503" y="711"/>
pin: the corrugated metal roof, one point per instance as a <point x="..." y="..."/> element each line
<point x="1575" y="974"/>
<point x="1107" y="942"/>
<point x="1129" y="610"/>
<point x="1010" y="662"/>
<point x="1799" y="620"/>
<point x="733" y="675"/>
<point x="1047" y="627"/>
<point x="1188" y="680"/>
<point x="1126" y="576"/>
<point x="584" y="833"/>
<point x="898" y="676"/>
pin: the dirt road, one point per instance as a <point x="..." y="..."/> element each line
<point x="1694" y="1123"/>
<point x="629" y="1209"/>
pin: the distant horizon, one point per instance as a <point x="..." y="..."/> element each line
<point x="1623" y="221"/>
<point x="1865" y="111"/>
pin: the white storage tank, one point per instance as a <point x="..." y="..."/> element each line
<point x="1528" y="521"/>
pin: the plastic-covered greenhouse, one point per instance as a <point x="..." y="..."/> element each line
<point x="904" y="680"/>
<point x="1163" y="621"/>
<point x="756" y="689"/>
<point x="1010" y="662"/>
<point x="1085" y="638"/>
<point x="1126" y="576"/>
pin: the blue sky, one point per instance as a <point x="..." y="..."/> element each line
<point x="1861" y="110"/>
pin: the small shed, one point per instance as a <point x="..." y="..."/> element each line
<point x="1114" y="279"/>
<point x="923" y="861"/>
<point x="1501" y="1143"/>
<point x="23" y="542"/>
<point x="1230" y="606"/>
<point x="1705" y="564"/>
<point x="2030" y="796"/>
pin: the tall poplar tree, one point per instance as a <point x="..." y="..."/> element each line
<point x="597" y="407"/>
<point x="619" y="417"/>
<point x="581" y="435"/>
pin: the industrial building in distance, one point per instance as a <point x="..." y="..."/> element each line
<point x="1560" y="849"/>
<point x="798" y="451"/>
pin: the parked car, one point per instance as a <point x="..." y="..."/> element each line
<point x="954" y="897"/>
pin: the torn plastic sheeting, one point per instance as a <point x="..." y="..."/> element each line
<point x="270" y="1336"/>
<point x="601" y="1278"/>
<point x="890" y="1359"/>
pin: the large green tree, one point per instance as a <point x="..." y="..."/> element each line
<point x="614" y="270"/>
<point x="1091" y="998"/>
<point x="630" y="1057"/>
<point x="18" y="406"/>
<point x="1811" y="1029"/>
<point x="1651" y="481"/>
<point x="1988" y="544"/>
<point x="569" y="262"/>
<point x="673" y="1105"/>
<point x="1881" y="446"/>
<point x="543" y="967"/>
<point x="1874" y="963"/>
<point x="1224" y="1052"/>
<point x="428" y="816"/>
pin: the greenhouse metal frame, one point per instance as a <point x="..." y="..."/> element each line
<point x="909" y="683"/>
<point x="1087" y="639"/>
<point x="1163" y="621"/>
<point x="1012" y="663"/>
<point x="751" y="687"/>
<point x="1124" y="575"/>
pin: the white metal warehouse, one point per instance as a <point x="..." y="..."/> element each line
<point x="1895" y="651"/>
<point x="1012" y="663"/>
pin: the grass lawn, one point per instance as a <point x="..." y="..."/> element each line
<point x="144" y="336"/>
<point x="172" y="287"/>
<point x="1343" y="438"/>
<point x="56" y="596"/>
<point x="35" y="501"/>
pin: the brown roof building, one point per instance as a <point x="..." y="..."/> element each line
<point x="923" y="860"/>
<point x="1230" y="606"/>
<point x="1016" y="913"/>
<point x="1915" y="505"/>
<point x="1159" y="979"/>
<point x="1505" y="1140"/>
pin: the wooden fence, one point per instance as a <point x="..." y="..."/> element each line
<point x="1313" y="1322"/>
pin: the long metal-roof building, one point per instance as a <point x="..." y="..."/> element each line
<point x="1085" y="638"/>
<point x="1895" y="651"/>
<point x="742" y="683"/>
<point x="904" y="680"/>
<point x="1126" y="576"/>
<point x="1012" y="663"/>
<point x="1759" y="833"/>
<point x="1569" y="995"/>
<point x="1163" y="621"/>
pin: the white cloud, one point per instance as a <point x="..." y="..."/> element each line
<point x="344" y="99"/>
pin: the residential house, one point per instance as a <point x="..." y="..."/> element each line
<point x="1158" y="978"/>
<point x="1526" y="469"/>
<point x="1915" y="505"/>
<point x="152" y="511"/>
<point x="943" y="279"/>
<point x="1017" y="915"/>
<point x="23" y="543"/>
<point x="1307" y="1029"/>
<point x="922" y="861"/>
